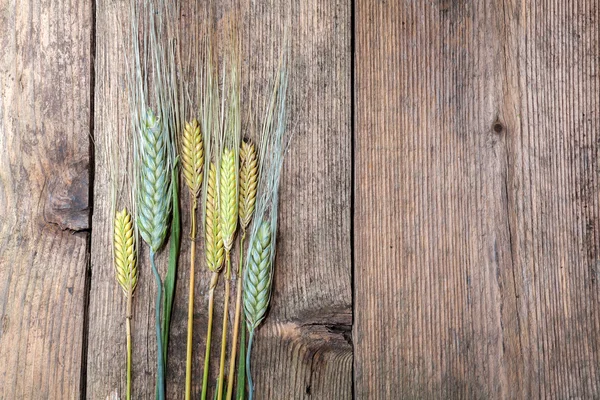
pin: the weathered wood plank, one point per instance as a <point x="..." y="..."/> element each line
<point x="303" y="350"/>
<point x="45" y="72"/>
<point x="476" y="199"/>
<point x="553" y="135"/>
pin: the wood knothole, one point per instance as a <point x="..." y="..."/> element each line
<point x="498" y="127"/>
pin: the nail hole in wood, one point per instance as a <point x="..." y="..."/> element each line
<point x="498" y="127"/>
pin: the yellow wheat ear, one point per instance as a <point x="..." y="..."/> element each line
<point x="192" y="157"/>
<point x="125" y="260"/>
<point x="248" y="183"/>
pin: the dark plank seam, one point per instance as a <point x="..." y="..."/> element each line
<point x="92" y="163"/>
<point x="352" y="173"/>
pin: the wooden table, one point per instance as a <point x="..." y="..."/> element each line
<point x="439" y="219"/>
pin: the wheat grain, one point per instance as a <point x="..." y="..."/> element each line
<point x="192" y="157"/>
<point x="214" y="241"/>
<point x="248" y="183"/>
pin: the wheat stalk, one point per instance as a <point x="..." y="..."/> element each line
<point x="126" y="273"/>
<point x="214" y="250"/>
<point x="228" y="218"/>
<point x="118" y="153"/>
<point x="258" y="272"/>
<point x="192" y="161"/>
<point x="214" y="257"/>
<point x="247" y="201"/>
<point x="154" y="148"/>
<point x="228" y="184"/>
<point x="153" y="210"/>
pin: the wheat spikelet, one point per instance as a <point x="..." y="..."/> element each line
<point x="248" y="183"/>
<point x="214" y="240"/>
<point x="125" y="260"/>
<point x="257" y="276"/>
<point x="228" y="197"/>
<point x="192" y="157"/>
<point x="154" y="189"/>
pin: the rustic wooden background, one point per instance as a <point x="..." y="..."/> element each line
<point x="439" y="227"/>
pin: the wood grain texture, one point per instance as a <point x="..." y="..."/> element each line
<point x="45" y="72"/>
<point x="476" y="224"/>
<point x="303" y="349"/>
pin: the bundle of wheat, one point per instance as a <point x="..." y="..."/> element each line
<point x="154" y="147"/>
<point x="236" y="181"/>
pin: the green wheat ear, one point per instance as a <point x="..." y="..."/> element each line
<point x="213" y="237"/>
<point x="228" y="200"/>
<point x="154" y="189"/>
<point x="257" y="276"/>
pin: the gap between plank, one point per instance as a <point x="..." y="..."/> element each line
<point x="92" y="163"/>
<point x="352" y="176"/>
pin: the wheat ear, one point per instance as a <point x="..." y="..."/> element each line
<point x="257" y="276"/>
<point x="192" y="161"/>
<point x="248" y="183"/>
<point x="229" y="181"/>
<point x="214" y="239"/>
<point x="212" y="231"/>
<point x="192" y="157"/>
<point x="247" y="201"/>
<point x="154" y="188"/>
<point x="153" y="210"/>
<point x="126" y="273"/>
<point x="257" y="285"/>
<point x="228" y="202"/>
<point x="214" y="257"/>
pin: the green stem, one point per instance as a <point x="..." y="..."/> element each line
<point x="211" y="301"/>
<point x="224" y="334"/>
<point x="160" y="354"/>
<point x="248" y="373"/>
<point x="129" y="350"/>
<point x="241" y="376"/>
<point x="236" y="323"/>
